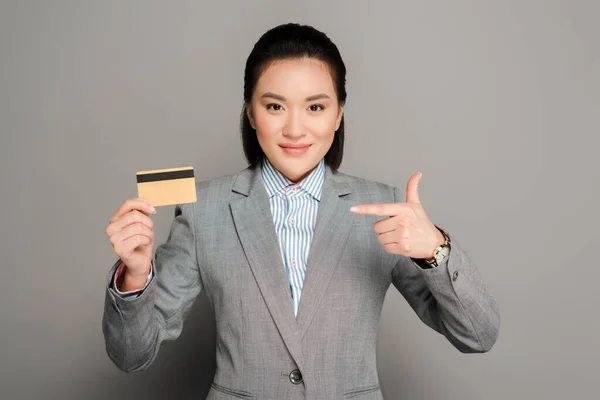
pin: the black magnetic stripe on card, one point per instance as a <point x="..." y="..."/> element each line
<point x="165" y="176"/>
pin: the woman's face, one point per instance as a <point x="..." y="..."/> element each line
<point x="295" y="112"/>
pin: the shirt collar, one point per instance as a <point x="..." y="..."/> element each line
<point x="275" y="182"/>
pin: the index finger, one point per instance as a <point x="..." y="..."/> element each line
<point x="133" y="204"/>
<point x="387" y="210"/>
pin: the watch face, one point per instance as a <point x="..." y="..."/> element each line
<point x="443" y="253"/>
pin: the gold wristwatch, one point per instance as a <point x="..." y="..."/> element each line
<point x="441" y="253"/>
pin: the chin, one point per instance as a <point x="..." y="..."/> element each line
<point x="302" y="171"/>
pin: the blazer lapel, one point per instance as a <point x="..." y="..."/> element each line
<point x="332" y="229"/>
<point x="254" y="224"/>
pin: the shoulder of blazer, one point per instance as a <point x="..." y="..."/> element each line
<point x="366" y="187"/>
<point x="221" y="188"/>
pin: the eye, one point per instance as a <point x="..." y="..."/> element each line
<point x="274" y="107"/>
<point x="316" y="107"/>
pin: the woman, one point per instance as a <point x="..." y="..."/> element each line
<point x="296" y="279"/>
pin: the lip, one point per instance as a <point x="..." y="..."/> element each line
<point x="295" y="148"/>
<point x="294" y="145"/>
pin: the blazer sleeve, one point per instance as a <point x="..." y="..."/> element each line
<point x="451" y="299"/>
<point x="134" y="329"/>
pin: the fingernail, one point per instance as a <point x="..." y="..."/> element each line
<point x="153" y="210"/>
<point x="354" y="209"/>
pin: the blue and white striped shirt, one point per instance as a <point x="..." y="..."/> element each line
<point x="294" y="208"/>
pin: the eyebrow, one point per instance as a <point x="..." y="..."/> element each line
<point x="281" y="98"/>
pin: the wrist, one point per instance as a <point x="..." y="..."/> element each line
<point x="128" y="281"/>
<point x="438" y="254"/>
<point x="440" y="241"/>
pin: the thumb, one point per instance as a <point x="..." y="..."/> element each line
<point x="412" y="188"/>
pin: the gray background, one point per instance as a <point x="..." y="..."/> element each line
<point x="495" y="102"/>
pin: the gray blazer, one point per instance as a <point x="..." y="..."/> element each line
<point x="226" y="245"/>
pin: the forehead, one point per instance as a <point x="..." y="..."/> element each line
<point x="296" y="76"/>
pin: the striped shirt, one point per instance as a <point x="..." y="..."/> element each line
<point x="294" y="209"/>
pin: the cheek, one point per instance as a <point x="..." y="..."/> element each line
<point x="323" y="127"/>
<point x="267" y="126"/>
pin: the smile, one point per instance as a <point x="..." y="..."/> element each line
<point x="295" y="149"/>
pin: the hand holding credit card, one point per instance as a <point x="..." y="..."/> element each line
<point x="169" y="186"/>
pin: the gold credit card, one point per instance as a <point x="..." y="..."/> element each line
<point x="162" y="187"/>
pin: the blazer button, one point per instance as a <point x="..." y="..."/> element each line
<point x="454" y="276"/>
<point x="296" y="377"/>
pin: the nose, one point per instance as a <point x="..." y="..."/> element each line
<point x="294" y="126"/>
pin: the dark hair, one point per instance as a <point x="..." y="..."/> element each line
<point x="292" y="41"/>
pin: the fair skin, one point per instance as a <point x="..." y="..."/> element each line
<point x="295" y="112"/>
<point x="408" y="231"/>
<point x="131" y="233"/>
<point x="295" y="104"/>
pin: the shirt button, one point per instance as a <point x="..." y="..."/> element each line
<point x="292" y="221"/>
<point x="454" y="276"/>
<point x="294" y="262"/>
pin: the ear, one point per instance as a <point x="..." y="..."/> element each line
<point x="338" y="121"/>
<point x="250" y="117"/>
